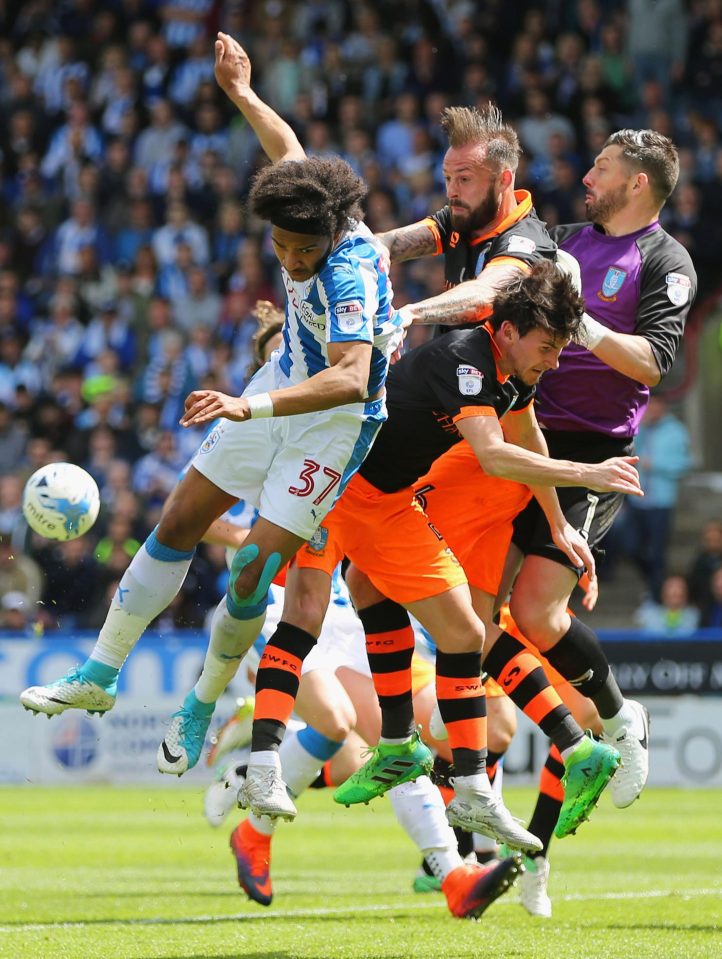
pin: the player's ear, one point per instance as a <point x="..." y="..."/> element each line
<point x="641" y="182"/>
<point x="506" y="179"/>
<point x="508" y="331"/>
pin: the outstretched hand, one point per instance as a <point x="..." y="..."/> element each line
<point x="203" y="406"/>
<point x="571" y="542"/>
<point x="232" y="67"/>
<point x="615" y="475"/>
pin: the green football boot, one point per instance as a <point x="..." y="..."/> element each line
<point x="388" y="766"/>
<point x="588" y="770"/>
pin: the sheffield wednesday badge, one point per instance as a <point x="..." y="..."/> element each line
<point x="613" y="281"/>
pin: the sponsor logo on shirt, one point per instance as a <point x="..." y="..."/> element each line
<point x="470" y="380"/>
<point x="612" y="284"/>
<point x="678" y="288"/>
<point x="310" y="318"/>
<point x="350" y="316"/>
<point x="520" y="244"/>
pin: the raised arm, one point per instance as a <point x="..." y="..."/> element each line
<point x="233" y="74"/>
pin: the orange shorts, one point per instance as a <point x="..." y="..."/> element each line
<point x="390" y="538"/>
<point x="474" y="511"/>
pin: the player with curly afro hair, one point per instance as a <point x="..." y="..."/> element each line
<point x="317" y="195"/>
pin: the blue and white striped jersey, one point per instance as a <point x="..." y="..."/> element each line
<point x="348" y="300"/>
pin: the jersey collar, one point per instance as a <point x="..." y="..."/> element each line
<point x="496" y="353"/>
<point x="523" y="208"/>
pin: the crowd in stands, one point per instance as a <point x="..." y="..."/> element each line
<point x="129" y="264"/>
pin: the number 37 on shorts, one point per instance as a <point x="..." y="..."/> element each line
<point x="315" y="480"/>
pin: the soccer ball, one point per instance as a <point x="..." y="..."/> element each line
<point x="61" y="501"/>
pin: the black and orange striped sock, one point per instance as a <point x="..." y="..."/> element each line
<point x="277" y="678"/>
<point x="390" y="649"/>
<point x="550" y="799"/>
<point x="521" y="675"/>
<point x="462" y="704"/>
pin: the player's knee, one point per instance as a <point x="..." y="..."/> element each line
<point x="246" y="582"/>
<point x="530" y="617"/>
<point x="305" y="606"/>
<point x="466" y="636"/>
<point x="180" y="527"/>
<point x="335" y="724"/>
<point x="362" y="590"/>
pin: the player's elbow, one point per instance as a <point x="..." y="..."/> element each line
<point x="354" y="388"/>
<point x="652" y="377"/>
<point x="492" y="463"/>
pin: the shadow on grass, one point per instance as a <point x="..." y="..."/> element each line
<point x="242" y="917"/>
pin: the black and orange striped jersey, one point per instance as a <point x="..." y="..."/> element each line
<point x="431" y="389"/>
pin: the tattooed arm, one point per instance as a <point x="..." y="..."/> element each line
<point x="409" y="242"/>
<point x="469" y="302"/>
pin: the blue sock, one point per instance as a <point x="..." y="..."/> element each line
<point x="318" y="745"/>
<point x="192" y="703"/>
<point x="99" y="673"/>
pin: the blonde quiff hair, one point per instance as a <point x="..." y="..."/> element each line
<point x="468" y="126"/>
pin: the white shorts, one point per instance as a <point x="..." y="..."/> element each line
<point x="292" y="468"/>
<point x="341" y="643"/>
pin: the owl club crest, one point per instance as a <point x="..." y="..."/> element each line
<point x="613" y="281"/>
<point x="319" y="539"/>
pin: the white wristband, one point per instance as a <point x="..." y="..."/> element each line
<point x="590" y="332"/>
<point x="260" y="405"/>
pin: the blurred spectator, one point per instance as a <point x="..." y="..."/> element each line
<point x="184" y="21"/>
<point x="18" y="572"/>
<point x="179" y="229"/>
<point x="712" y="616"/>
<point x="76" y="142"/>
<point x="672" y="615"/>
<point x="17" y="370"/>
<point x="16" y="613"/>
<point x="107" y="331"/>
<point x="13" y="439"/>
<point x="657" y="40"/>
<point x="158" y="139"/>
<point x="56" y="341"/>
<point x="71" y="582"/>
<point x="12" y="521"/>
<point x="539" y="123"/>
<point x="662" y="446"/>
<point x="81" y="229"/>
<point x="156" y="473"/>
<point x="707" y="561"/>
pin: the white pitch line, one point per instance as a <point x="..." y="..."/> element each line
<point x="344" y="911"/>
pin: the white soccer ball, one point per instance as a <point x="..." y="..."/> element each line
<point x="61" y="501"/>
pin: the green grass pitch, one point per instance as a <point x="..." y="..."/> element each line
<point x="129" y="872"/>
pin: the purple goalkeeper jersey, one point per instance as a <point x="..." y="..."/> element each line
<point x="642" y="283"/>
